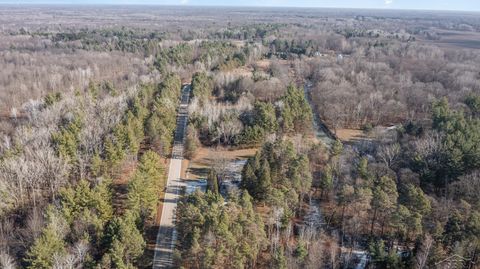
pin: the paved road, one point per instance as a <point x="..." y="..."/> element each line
<point x="166" y="237"/>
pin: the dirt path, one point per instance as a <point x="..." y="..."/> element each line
<point x="320" y="129"/>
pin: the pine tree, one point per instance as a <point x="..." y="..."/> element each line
<point x="385" y="197"/>
<point x="264" y="116"/>
<point x="49" y="244"/>
<point x="416" y="200"/>
<point x="337" y="148"/>
<point x="202" y="86"/>
<point x="248" y="176"/>
<point x="400" y="220"/>
<point x="212" y="181"/>
<point x="473" y="102"/>
<point x="143" y="188"/>
<point x="453" y="230"/>
<point x="114" y="153"/>
<point x="127" y="244"/>
<point x="301" y="251"/>
<point x="288" y="120"/>
<point x="66" y="140"/>
<point x="363" y="169"/>
<point x="345" y="198"/>
<point x="96" y="165"/>
<point x="264" y="183"/>
<point x="326" y="182"/>
<point x="296" y="112"/>
<point x="441" y="113"/>
<point x="279" y="260"/>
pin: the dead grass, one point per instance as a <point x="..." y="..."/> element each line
<point x="120" y="185"/>
<point x="347" y="135"/>
<point x="243" y="71"/>
<point x="206" y="157"/>
<point x="238" y="43"/>
<point x="263" y="64"/>
<point x="454" y="39"/>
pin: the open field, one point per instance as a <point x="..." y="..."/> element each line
<point x="347" y="135"/>
<point x="455" y="39"/>
<point x="206" y="157"/>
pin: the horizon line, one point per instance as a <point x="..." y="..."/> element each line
<point x="233" y="6"/>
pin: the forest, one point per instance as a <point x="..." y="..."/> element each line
<point x="363" y="128"/>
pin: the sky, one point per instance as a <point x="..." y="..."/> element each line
<point x="465" y="5"/>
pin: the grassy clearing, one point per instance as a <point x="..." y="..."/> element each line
<point x="208" y="157"/>
<point x="348" y="135"/>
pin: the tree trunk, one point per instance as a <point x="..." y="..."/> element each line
<point x="383" y="226"/>
<point x="373" y="221"/>
<point x="341" y="221"/>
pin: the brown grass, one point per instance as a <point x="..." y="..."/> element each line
<point x="243" y="71"/>
<point x="452" y="39"/>
<point x="263" y="64"/>
<point x="120" y="185"/>
<point x="205" y="158"/>
<point x="347" y="135"/>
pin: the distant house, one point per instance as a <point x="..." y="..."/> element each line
<point x="324" y="53"/>
<point x="340" y="58"/>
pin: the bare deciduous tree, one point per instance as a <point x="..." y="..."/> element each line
<point x="389" y="153"/>
<point x="422" y="254"/>
<point x="6" y="261"/>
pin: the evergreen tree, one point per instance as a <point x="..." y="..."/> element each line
<point x="212" y="182"/>
<point x="363" y="172"/>
<point x="249" y="178"/>
<point x="337" y="148"/>
<point x="264" y="116"/>
<point x="202" y="86"/>
<point x="96" y="165"/>
<point x="90" y="204"/>
<point x="453" y="230"/>
<point x="251" y="136"/>
<point x="236" y="230"/>
<point x="277" y="174"/>
<point x="264" y="183"/>
<point x="114" y="153"/>
<point x="326" y="182"/>
<point x="296" y="112"/>
<point x="460" y="146"/>
<point x="127" y="244"/>
<point x="301" y="251"/>
<point x="416" y="200"/>
<point x="384" y="199"/>
<point x="50" y="243"/>
<point x="279" y="260"/>
<point x="441" y="113"/>
<point x="473" y="102"/>
<point x="191" y="142"/>
<point x="144" y="187"/>
<point x="52" y="98"/>
<point x="67" y="139"/>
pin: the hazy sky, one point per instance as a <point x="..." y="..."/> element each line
<point x="468" y="5"/>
